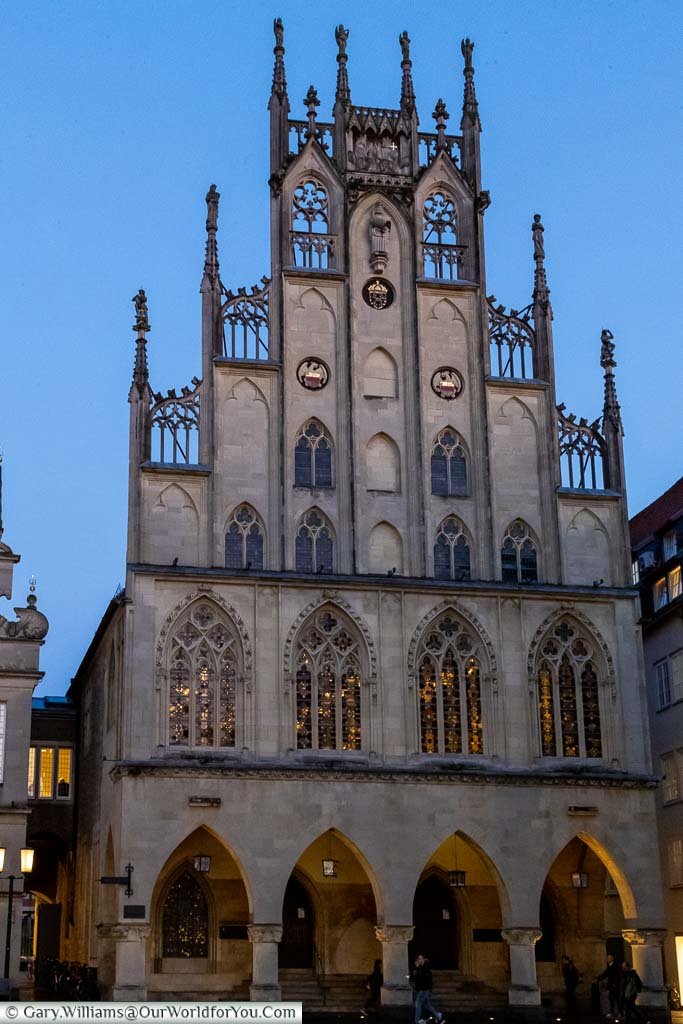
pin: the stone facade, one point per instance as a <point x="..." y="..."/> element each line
<point x="368" y="622"/>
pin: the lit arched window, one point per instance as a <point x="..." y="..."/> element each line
<point x="202" y="671"/>
<point x="451" y="551"/>
<point x="314" y="544"/>
<point x="244" y="540"/>
<point x="450" y="698"/>
<point x="441" y="253"/>
<point x="328" y="684"/>
<point x="568" y="693"/>
<point x="449" y="465"/>
<point x="313" y="457"/>
<point x="312" y="244"/>
<point x="518" y="554"/>
<point x="185" y="920"/>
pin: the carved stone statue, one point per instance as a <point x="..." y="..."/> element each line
<point x="278" y="29"/>
<point x="404" y="41"/>
<point x="341" y="34"/>
<point x="140" y="303"/>
<point x="30" y="625"/>
<point x="537" y="236"/>
<point x="607" y="349"/>
<point x="380" y="226"/>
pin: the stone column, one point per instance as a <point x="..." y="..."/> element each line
<point x="130" y="959"/>
<point x="396" y="990"/>
<point x="524" y="990"/>
<point x="646" y="951"/>
<point x="265" y="984"/>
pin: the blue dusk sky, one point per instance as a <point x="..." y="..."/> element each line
<point x="117" y="116"/>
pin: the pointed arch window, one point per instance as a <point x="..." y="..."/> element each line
<point x="450" y="689"/>
<point x="203" y="673"/>
<point x="328" y="684"/>
<point x="244" y="540"/>
<point x="185" y="920"/>
<point x="313" y="456"/>
<point x="519" y="560"/>
<point x="449" y="465"/>
<point x="314" y="548"/>
<point x="442" y="255"/>
<point x="451" y="551"/>
<point x="312" y="243"/>
<point x="568" y="694"/>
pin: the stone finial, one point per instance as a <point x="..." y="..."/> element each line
<point x="31" y="624"/>
<point x="279" y="87"/>
<point x="311" y="101"/>
<point x="141" y="326"/>
<point x="404" y="43"/>
<point x="343" y="93"/>
<point x="407" y="88"/>
<point x="140" y="302"/>
<point x="611" y="409"/>
<point x="211" y="268"/>
<point x="541" y="290"/>
<point x="440" y="115"/>
<point x="470" y="107"/>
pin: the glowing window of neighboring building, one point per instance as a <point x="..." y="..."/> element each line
<point x="45" y="783"/>
<point x="64" y="773"/>
<point x="674" y="583"/>
<point x="659" y="594"/>
<point x="31" y="773"/>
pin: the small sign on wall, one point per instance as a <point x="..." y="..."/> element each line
<point x="134" y="910"/>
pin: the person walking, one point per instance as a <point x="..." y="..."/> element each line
<point x="612" y="978"/>
<point x="572" y="979"/>
<point x="374" y="988"/>
<point x="421" y="980"/>
<point x="632" y="986"/>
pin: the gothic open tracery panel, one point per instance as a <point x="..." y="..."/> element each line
<point x="246" y="322"/>
<point x="441" y="254"/>
<point x="185" y="920"/>
<point x="244" y="540"/>
<point x="568" y="676"/>
<point x="449" y="464"/>
<point x="512" y="342"/>
<point x="311" y="240"/>
<point x="203" y="667"/>
<point x="518" y="555"/>
<point x="314" y="544"/>
<point x="451" y="551"/>
<point x="582" y="452"/>
<point x="313" y="456"/>
<point x="175" y="426"/>
<point x="328" y="683"/>
<point x="449" y="671"/>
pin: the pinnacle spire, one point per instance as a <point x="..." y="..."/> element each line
<point x="470" y="107"/>
<point x="141" y="326"/>
<point x="279" y="87"/>
<point x="611" y="409"/>
<point x="407" y="89"/>
<point x="541" y="290"/>
<point x="211" y="268"/>
<point x="343" y="93"/>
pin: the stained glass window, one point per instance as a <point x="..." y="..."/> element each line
<point x="568" y="693"/>
<point x="328" y="684"/>
<point x="314" y="546"/>
<point x="313" y="457"/>
<point x="449" y="691"/>
<point x="519" y="562"/>
<point x="451" y="551"/>
<point x="203" y="668"/>
<point x="449" y="465"/>
<point x="244" y="540"/>
<point x="185" y="920"/>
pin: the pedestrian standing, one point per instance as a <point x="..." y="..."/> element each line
<point x="612" y="979"/>
<point x="631" y="989"/>
<point x="374" y="989"/>
<point x="421" y="980"/>
<point x="572" y="979"/>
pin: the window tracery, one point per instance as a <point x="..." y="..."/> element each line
<point x="313" y="456"/>
<point x="451" y="551"/>
<point x="246" y="322"/>
<point x="582" y="452"/>
<point x="185" y="920"/>
<point x="175" y="426"/>
<point x="314" y="547"/>
<point x="328" y="684"/>
<point x="203" y="671"/>
<point x="449" y="691"/>
<point x="512" y="342"/>
<point x="312" y="243"/>
<point x="568" y="694"/>
<point x="244" y="540"/>
<point x="449" y="465"/>
<point x="442" y="255"/>
<point x="518" y="555"/>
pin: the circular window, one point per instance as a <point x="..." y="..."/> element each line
<point x="378" y="294"/>
<point x="312" y="374"/>
<point x="447" y="383"/>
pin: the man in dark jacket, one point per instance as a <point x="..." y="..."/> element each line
<point x="421" y="980"/>
<point x="612" y="978"/>
<point x="632" y="986"/>
<point x="572" y="979"/>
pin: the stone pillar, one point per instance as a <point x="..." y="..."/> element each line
<point x="524" y="990"/>
<point x="396" y="990"/>
<point x="265" y="983"/>
<point x="130" y="959"/>
<point x="646" y="951"/>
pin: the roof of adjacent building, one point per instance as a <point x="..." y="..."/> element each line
<point x="663" y="510"/>
<point x="52" y="704"/>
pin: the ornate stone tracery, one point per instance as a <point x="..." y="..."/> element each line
<point x="246" y="322"/>
<point x="175" y="425"/>
<point x="512" y="341"/>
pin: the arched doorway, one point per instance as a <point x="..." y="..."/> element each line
<point x="545" y="947"/>
<point x="435" y="920"/>
<point x="297" y="946"/>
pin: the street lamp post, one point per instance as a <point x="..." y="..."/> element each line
<point x="26" y="867"/>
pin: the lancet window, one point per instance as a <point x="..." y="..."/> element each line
<point x="568" y="693"/>
<point x="451" y="551"/>
<point x="518" y="555"/>
<point x="450" y="689"/>
<point x="328" y="684"/>
<point x="202" y="673"/>
<point x="246" y="322"/>
<point x="312" y="243"/>
<point x="314" y="548"/>
<point x="244" y="540"/>
<point x="582" y="451"/>
<point x="185" y="920"/>
<point x="512" y="343"/>
<point x="449" y="464"/>
<point x="313" y="457"/>
<point x="175" y="426"/>
<point x="441" y="254"/>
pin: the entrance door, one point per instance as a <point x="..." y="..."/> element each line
<point x="436" y="925"/>
<point x="298" y="928"/>
<point x="545" y="947"/>
<point x="48" y="931"/>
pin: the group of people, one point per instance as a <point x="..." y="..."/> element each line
<point x="421" y="982"/>
<point x="622" y="986"/>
